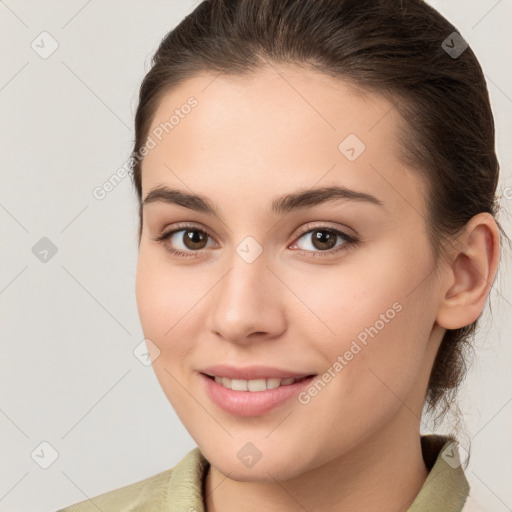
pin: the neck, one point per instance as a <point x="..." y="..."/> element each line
<point x="384" y="472"/>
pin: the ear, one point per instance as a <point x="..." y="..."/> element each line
<point x="471" y="272"/>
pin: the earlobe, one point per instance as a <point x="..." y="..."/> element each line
<point x="472" y="271"/>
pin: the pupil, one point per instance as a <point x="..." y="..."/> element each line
<point x="195" y="237"/>
<point x="326" y="239"/>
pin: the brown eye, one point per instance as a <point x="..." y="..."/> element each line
<point x="190" y="241"/>
<point x="322" y="240"/>
<point x="194" y="239"/>
<point x="185" y="241"/>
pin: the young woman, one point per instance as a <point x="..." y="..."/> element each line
<point x="317" y="242"/>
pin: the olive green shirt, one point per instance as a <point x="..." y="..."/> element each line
<point x="180" y="489"/>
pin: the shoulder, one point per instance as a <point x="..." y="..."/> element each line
<point x="180" y="484"/>
<point x="147" y="492"/>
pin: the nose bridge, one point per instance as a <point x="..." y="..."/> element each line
<point x="246" y="285"/>
<point x="248" y="275"/>
<point x="245" y="300"/>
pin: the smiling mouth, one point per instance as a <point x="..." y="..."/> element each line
<point x="255" y="384"/>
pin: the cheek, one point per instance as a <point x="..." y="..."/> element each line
<point x="371" y="368"/>
<point x="149" y="295"/>
<point x="353" y="301"/>
<point x="161" y="291"/>
<point x="165" y="307"/>
<point x="158" y="302"/>
<point x="370" y="326"/>
<point x="169" y="302"/>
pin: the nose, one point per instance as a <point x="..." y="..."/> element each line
<point x="248" y="303"/>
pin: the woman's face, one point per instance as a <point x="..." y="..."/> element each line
<point x="267" y="280"/>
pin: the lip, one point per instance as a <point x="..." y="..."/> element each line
<point x="252" y="372"/>
<point x="251" y="403"/>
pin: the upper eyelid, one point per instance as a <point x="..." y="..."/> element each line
<point x="308" y="227"/>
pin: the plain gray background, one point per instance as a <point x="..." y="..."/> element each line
<point x="69" y="324"/>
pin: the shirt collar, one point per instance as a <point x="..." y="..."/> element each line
<point x="445" y="488"/>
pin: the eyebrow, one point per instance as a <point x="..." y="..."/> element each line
<point x="279" y="205"/>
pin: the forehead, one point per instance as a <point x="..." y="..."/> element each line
<point x="276" y="98"/>
<point x="281" y="125"/>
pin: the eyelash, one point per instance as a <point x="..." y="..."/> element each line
<point x="350" y="240"/>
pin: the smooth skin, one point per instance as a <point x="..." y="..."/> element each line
<point x="356" y="445"/>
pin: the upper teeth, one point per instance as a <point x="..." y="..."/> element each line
<point x="253" y="385"/>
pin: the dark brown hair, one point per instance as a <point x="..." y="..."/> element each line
<point x="395" y="48"/>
